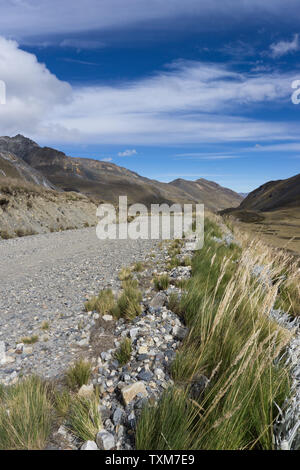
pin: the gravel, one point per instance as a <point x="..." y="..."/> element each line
<point x="47" y="278"/>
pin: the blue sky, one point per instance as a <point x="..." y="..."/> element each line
<point x="165" y="88"/>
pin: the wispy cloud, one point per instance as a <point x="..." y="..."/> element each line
<point x="106" y="159"/>
<point x="285" y="47"/>
<point x="127" y="153"/>
<point x="79" y="44"/>
<point x="188" y="102"/>
<point x="78" y="61"/>
<point x="202" y="156"/>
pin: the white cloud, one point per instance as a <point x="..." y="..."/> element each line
<point x="127" y="153"/>
<point x="189" y="102"/>
<point x="31" y="90"/>
<point x="285" y="47"/>
<point x="106" y="159"/>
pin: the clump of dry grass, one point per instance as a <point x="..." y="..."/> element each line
<point x="102" y="303"/>
<point x="25" y="415"/>
<point x="84" y="419"/>
<point x="138" y="267"/>
<point x="123" y="353"/>
<point x="129" y="303"/>
<point x="30" y="339"/>
<point x="125" y="274"/>
<point x="78" y="374"/>
<point x="161" y="282"/>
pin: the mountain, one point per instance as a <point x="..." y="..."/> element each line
<point x="211" y="194"/>
<point x="104" y="181"/>
<point x="12" y="166"/>
<point x="274" y="195"/>
<point x="272" y="212"/>
<point x="243" y="195"/>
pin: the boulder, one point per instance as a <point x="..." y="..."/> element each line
<point x="129" y="392"/>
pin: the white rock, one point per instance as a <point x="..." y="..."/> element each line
<point x="108" y="317"/>
<point x="133" y="333"/>
<point x="159" y="373"/>
<point x="2" y="353"/>
<point x="179" y="332"/>
<point x="130" y="391"/>
<point x="89" y="445"/>
<point x="105" y="440"/>
<point x="19" y="348"/>
<point x="27" y="350"/>
<point x="86" y="390"/>
<point x="143" y="350"/>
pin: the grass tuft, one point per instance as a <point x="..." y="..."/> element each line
<point x="128" y="305"/>
<point x="161" y="282"/>
<point x="78" y="374"/>
<point x="25" y="415"/>
<point x="102" y="304"/>
<point x="84" y="418"/>
<point x="123" y="353"/>
<point x="30" y="339"/>
<point x="125" y="274"/>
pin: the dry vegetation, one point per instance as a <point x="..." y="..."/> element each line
<point x="231" y="347"/>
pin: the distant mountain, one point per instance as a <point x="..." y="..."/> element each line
<point x="103" y="181"/>
<point x="243" y="195"/>
<point x="211" y="194"/>
<point x="274" y="195"/>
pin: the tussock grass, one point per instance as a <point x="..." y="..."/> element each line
<point x="173" y="263"/>
<point x="289" y="292"/>
<point x="123" y="353"/>
<point x="161" y="282"/>
<point x="103" y="303"/>
<point x="175" y="305"/>
<point x="128" y="305"/>
<point x="78" y="374"/>
<point x="234" y="343"/>
<point x="62" y="402"/>
<point x="138" y="267"/>
<point x="25" y="415"/>
<point x="130" y="284"/>
<point x="84" y="418"/>
<point x="181" y="283"/>
<point x="30" y="339"/>
<point x="125" y="274"/>
<point x="45" y="325"/>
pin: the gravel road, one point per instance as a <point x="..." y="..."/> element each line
<point x="47" y="278"/>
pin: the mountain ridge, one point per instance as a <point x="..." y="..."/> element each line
<point x="105" y="181"/>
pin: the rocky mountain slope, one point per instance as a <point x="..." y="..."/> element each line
<point x="27" y="209"/>
<point x="273" y="212"/>
<point x="12" y="166"/>
<point x="104" y="181"/>
<point x="209" y="193"/>
<point x="274" y="195"/>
